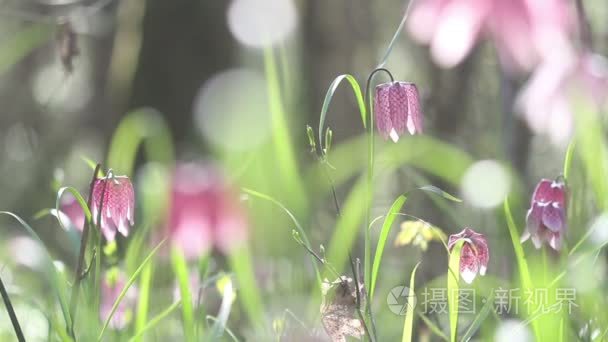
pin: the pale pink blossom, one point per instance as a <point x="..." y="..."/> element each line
<point x="117" y="206"/>
<point x="546" y="99"/>
<point x="523" y="31"/>
<point x="204" y="211"/>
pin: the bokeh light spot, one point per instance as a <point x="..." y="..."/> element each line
<point x="485" y="184"/>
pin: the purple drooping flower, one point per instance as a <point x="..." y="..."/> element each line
<point x="546" y="219"/>
<point x="204" y="212"/>
<point x="112" y="285"/>
<point x="474" y="255"/>
<point x="397" y="107"/>
<point x="117" y="206"/>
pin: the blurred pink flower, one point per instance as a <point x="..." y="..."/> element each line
<point x="118" y="206"/>
<point x="73" y="216"/>
<point x="113" y="282"/>
<point x="545" y="101"/>
<point x="474" y="256"/>
<point x="546" y="219"/>
<point x="204" y="211"/>
<point x="397" y="107"/>
<point x="523" y="31"/>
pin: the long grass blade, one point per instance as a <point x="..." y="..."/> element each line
<point x="54" y="277"/>
<point x="388" y="223"/>
<point x="408" y="324"/>
<point x="453" y="288"/>
<point x="155" y="321"/>
<point x="127" y="286"/>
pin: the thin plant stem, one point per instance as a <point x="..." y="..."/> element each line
<point x="11" y="312"/>
<point x="81" y="255"/>
<point x="358" y="296"/>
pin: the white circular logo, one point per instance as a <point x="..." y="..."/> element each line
<point x="399" y="299"/>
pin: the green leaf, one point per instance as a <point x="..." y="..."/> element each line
<point x="180" y="268"/>
<point x="453" y="288"/>
<point x="143" y="301"/>
<point x="21" y="44"/>
<point x="127" y="286"/>
<point x="145" y="126"/>
<point x="432" y="326"/>
<point x="522" y="263"/>
<point x="54" y="277"/>
<point x="388" y="223"/>
<point x="479" y="318"/>
<point x="400" y="28"/>
<point x="299" y="228"/>
<point x="568" y="159"/>
<point x="155" y="321"/>
<point x="329" y="96"/>
<point x="242" y="266"/>
<point x="408" y="324"/>
<point x="78" y="197"/>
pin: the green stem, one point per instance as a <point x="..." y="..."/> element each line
<point x="11" y="312"/>
<point x="81" y="256"/>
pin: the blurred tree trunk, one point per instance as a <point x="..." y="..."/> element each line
<point x="184" y="43"/>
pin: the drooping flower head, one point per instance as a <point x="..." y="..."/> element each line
<point x="546" y="219"/>
<point x="397" y="107"/>
<point x="113" y="282"/>
<point x="117" y="205"/>
<point x="474" y="255"/>
<point x="523" y="31"/>
<point x="204" y="211"/>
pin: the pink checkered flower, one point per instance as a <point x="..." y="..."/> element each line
<point x="204" y="211"/>
<point x="397" y="107"/>
<point x="474" y="255"/>
<point x="117" y="205"/>
<point x="546" y="219"/>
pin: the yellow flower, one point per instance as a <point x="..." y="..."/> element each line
<point x="419" y="233"/>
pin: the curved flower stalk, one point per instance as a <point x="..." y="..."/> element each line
<point x="523" y="31"/>
<point x="397" y="107"/>
<point x="474" y="256"/>
<point x="204" y="212"/>
<point x="115" y="197"/>
<point x="546" y="218"/>
<point x="112" y="285"/>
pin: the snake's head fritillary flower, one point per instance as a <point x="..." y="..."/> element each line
<point x="546" y="219"/>
<point x="117" y="205"/>
<point x="474" y="255"/>
<point x="397" y="107"/>
<point x="204" y="211"/>
<point x="113" y="282"/>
